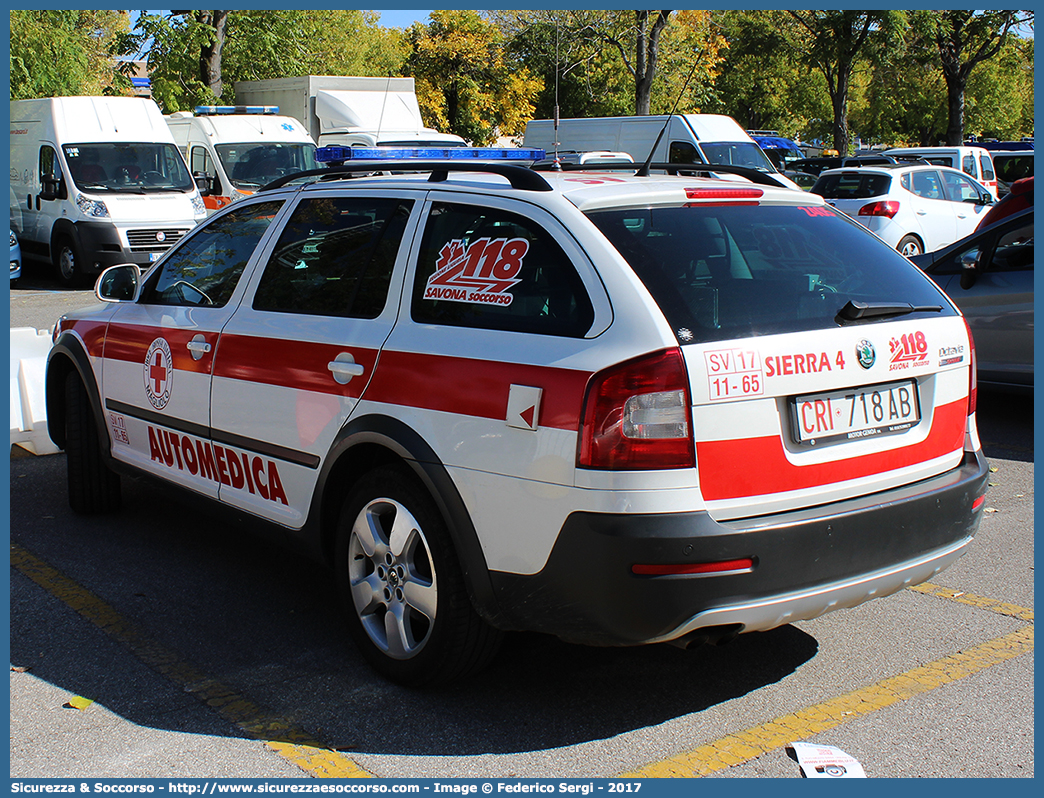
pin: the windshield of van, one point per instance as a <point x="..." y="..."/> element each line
<point x="136" y="168"/>
<point x="253" y="165"/>
<point x="723" y="272"/>
<point x="737" y="153"/>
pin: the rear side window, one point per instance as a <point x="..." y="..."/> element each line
<point x="485" y="267"/>
<point x="927" y="185"/>
<point x="722" y="272"/>
<point x="334" y="258"/>
<point x="852" y="185"/>
<point x="987" y="167"/>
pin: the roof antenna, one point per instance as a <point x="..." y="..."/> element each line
<point x="384" y="104"/>
<point x="644" y="170"/>
<point x="558" y="163"/>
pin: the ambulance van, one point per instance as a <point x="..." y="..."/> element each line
<point x="97" y="181"/>
<point x="239" y="148"/>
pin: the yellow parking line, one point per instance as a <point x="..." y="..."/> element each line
<point x="743" y="746"/>
<point x="280" y="736"/>
<point x="982" y="602"/>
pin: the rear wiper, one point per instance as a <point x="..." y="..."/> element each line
<point x="856" y="311"/>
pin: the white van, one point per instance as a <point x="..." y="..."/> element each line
<point x="688" y="138"/>
<point x="97" y="181"/>
<point x="240" y="148"/>
<point x="973" y="161"/>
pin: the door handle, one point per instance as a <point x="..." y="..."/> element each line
<point x="344" y="367"/>
<point x="198" y="346"/>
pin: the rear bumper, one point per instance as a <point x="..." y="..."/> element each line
<point x="805" y="563"/>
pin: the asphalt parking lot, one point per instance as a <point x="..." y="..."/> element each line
<point x="170" y="641"/>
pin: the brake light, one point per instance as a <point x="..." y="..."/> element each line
<point x="888" y="208"/>
<point x="973" y="381"/>
<point x="724" y="193"/>
<point x="636" y="416"/>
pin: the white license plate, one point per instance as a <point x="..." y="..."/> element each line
<point x="855" y="413"/>
<point x="155" y="256"/>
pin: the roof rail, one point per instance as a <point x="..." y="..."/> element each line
<point x="754" y="175"/>
<point x="520" y="177"/>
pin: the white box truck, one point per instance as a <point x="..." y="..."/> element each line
<point x="97" y="181"/>
<point x="350" y="111"/>
<point x="238" y="149"/>
<point x="688" y="138"/>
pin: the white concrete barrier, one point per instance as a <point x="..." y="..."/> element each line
<point x="29" y="350"/>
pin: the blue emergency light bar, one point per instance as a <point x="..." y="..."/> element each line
<point x="341" y="154"/>
<point x="207" y="110"/>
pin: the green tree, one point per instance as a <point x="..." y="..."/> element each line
<point x="68" y="53"/>
<point x="464" y="83"/>
<point x="256" y="45"/>
<point x="609" y="63"/>
<point x="762" y="85"/>
<point x="834" y="42"/>
<point x="965" y="39"/>
<point x="999" y="95"/>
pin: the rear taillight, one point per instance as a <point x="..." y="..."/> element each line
<point x="636" y="416"/>
<point x="887" y="208"/>
<point x="973" y="382"/>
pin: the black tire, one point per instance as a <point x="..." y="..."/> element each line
<point x="68" y="262"/>
<point x="93" y="486"/>
<point x="910" y="246"/>
<point x="440" y="637"/>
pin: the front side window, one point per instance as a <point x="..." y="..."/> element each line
<point x="335" y="258"/>
<point x="49" y="164"/>
<point x="960" y="189"/>
<point x="484" y="267"/>
<point x="968" y="165"/>
<point x="201" y="162"/>
<point x="205" y="269"/>
<point x="1014" y="251"/>
<point x="683" y="152"/>
<point x="727" y="272"/>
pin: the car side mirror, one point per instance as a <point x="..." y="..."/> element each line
<point x="119" y="283"/>
<point x="969" y="268"/>
<point x="986" y="199"/>
<point x="51" y="187"/>
<point x="204" y="183"/>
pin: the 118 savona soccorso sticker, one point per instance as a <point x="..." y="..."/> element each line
<point x="482" y="272"/>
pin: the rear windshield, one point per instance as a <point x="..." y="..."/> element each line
<point x="852" y="185"/>
<point x="725" y="272"/>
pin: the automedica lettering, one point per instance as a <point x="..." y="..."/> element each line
<point x="239" y="470"/>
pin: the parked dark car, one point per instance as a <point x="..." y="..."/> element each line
<point x="989" y="276"/>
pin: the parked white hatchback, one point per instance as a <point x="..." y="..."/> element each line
<point x="913" y="207"/>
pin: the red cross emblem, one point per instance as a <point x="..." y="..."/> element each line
<point x="158" y="373"/>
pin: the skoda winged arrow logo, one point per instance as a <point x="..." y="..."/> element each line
<point x="865" y="353"/>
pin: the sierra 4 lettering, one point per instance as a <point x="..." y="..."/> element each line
<point x="802" y="363"/>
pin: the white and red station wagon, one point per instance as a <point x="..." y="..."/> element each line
<point x="618" y="408"/>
